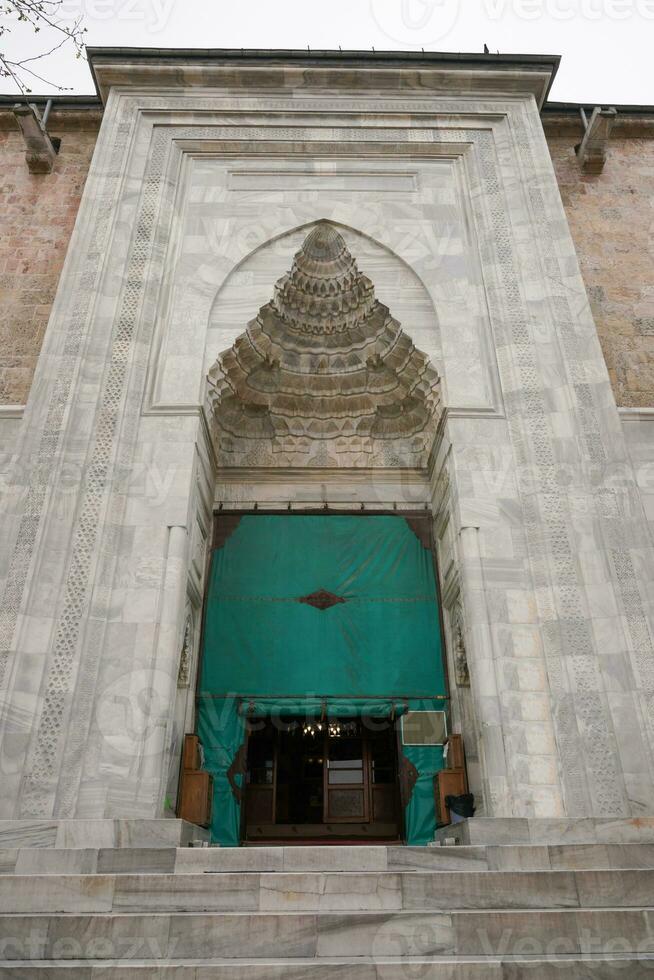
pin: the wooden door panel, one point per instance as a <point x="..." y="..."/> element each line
<point x="346" y="805"/>
<point x="346" y="780"/>
<point x="259" y="802"/>
<point x="384" y="803"/>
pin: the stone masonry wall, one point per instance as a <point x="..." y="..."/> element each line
<point x="611" y="217"/>
<point x="37" y="214"/>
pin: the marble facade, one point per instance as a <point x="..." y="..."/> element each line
<point x="207" y="177"/>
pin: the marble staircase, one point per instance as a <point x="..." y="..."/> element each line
<point x="119" y="900"/>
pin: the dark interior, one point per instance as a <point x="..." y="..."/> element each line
<point x="316" y="778"/>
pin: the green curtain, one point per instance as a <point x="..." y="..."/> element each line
<point x="222" y="733"/>
<point x="420" y="813"/>
<point x="377" y="652"/>
<point x="315" y="707"/>
<point x="383" y="639"/>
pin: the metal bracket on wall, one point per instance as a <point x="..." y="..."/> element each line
<point x="41" y="148"/>
<point x="592" y="150"/>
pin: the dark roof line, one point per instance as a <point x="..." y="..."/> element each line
<point x="326" y="54"/>
<point x="59" y="101"/>
<point x="572" y="108"/>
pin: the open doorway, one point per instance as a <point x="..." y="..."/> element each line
<point x="312" y="779"/>
<point x="315" y="620"/>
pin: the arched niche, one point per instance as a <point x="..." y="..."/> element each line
<point x="406" y="358"/>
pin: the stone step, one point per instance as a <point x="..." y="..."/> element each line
<point x="590" y="967"/>
<point x="536" y="934"/>
<point x="544" y="830"/>
<point x="121" y="833"/>
<point x="386" y="891"/>
<point x="157" y="833"/>
<point x="185" y="860"/>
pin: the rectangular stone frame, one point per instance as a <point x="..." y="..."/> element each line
<point x="562" y="692"/>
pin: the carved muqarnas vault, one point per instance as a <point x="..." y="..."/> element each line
<point x="324" y="375"/>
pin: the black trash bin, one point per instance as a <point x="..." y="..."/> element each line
<point x="460" y="807"/>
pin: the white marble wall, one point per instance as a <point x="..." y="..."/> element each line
<point x="194" y="204"/>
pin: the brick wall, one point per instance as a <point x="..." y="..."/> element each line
<point x="37" y="214"/>
<point x="611" y="217"/>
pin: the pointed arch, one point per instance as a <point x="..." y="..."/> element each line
<point x="324" y="374"/>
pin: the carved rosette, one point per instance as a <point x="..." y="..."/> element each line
<point x="324" y="375"/>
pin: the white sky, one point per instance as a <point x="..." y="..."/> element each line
<point x="607" y="45"/>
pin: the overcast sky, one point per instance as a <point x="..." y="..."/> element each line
<point x="607" y="45"/>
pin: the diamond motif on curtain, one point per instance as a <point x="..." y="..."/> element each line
<point x="322" y="599"/>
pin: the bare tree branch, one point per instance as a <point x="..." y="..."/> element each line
<point x="38" y="14"/>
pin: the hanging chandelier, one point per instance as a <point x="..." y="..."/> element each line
<point x="333" y="729"/>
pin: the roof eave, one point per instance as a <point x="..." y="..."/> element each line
<point x="209" y="67"/>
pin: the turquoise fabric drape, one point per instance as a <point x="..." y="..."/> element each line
<point x="222" y="733"/>
<point x="315" y="707"/>
<point x="420" y="814"/>
<point x="384" y="639"/>
<point x="377" y="652"/>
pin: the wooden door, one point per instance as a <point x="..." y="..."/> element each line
<point x="384" y="788"/>
<point x="261" y="778"/>
<point x="346" y="797"/>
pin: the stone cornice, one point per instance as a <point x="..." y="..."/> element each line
<point x="401" y="71"/>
